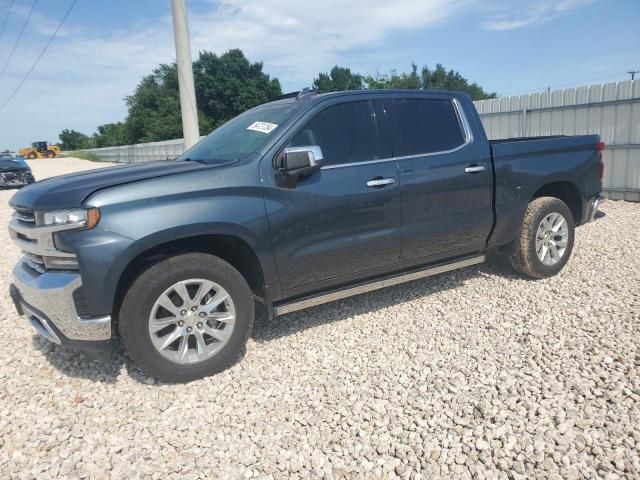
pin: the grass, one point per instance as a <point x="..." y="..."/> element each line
<point x="82" y="155"/>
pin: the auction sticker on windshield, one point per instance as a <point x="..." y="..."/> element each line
<point x="264" y="127"/>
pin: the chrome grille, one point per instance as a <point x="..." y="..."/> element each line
<point x="35" y="262"/>
<point x="25" y="216"/>
<point x="37" y="243"/>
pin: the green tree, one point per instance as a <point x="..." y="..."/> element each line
<point x="395" y="80"/>
<point x="440" y="78"/>
<point x="109" y="135"/>
<point x="339" y="78"/>
<point x="226" y="86"/>
<point x="229" y="84"/>
<point x="73" y="140"/>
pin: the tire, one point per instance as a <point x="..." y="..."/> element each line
<point x="32" y="156"/>
<point x="50" y="154"/>
<point x="526" y="257"/>
<point x="136" y="317"/>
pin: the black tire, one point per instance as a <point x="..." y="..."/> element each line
<point x="524" y="258"/>
<point x="50" y="154"/>
<point x="32" y="156"/>
<point x="141" y="296"/>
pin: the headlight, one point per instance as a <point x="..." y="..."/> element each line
<point x="76" y="217"/>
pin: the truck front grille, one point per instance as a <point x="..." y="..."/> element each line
<point x="37" y="243"/>
<point x="35" y="262"/>
<point x="26" y="216"/>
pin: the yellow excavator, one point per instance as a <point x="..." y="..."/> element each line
<point x="39" y="150"/>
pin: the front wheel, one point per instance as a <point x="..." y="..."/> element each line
<point x="546" y="238"/>
<point x="186" y="317"/>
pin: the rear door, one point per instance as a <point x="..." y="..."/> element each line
<point x="343" y="220"/>
<point x="445" y="178"/>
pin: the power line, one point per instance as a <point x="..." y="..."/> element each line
<point x="15" y="45"/>
<point x="35" y="64"/>
<point x="6" y="18"/>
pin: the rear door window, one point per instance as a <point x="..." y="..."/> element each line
<point x="346" y="133"/>
<point x="420" y="126"/>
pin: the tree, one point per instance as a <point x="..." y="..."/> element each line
<point x="440" y="78"/>
<point x="110" y="134"/>
<point x="339" y="78"/>
<point x="226" y="86"/>
<point x="229" y="84"/>
<point x="73" y="140"/>
<point x="395" y="80"/>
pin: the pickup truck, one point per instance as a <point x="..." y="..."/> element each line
<point x="294" y="203"/>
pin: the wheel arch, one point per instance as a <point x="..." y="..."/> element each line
<point x="566" y="191"/>
<point x="230" y="247"/>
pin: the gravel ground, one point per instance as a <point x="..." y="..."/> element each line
<point x="474" y="374"/>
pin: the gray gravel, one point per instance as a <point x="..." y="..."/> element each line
<point x="474" y="374"/>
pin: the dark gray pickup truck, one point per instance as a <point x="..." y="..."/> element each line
<point x="294" y="203"/>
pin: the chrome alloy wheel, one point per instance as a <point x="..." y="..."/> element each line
<point x="552" y="238"/>
<point x="191" y="321"/>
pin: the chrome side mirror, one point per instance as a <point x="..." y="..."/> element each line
<point x="298" y="161"/>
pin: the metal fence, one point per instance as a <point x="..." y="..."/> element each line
<point x="611" y="110"/>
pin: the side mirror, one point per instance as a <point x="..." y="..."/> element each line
<point x="296" y="161"/>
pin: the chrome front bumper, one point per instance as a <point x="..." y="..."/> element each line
<point x="47" y="300"/>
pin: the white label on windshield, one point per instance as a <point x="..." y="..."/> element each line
<point x="264" y="127"/>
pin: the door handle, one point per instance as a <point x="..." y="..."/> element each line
<point x="475" y="169"/>
<point x="380" y="182"/>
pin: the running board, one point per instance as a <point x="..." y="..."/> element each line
<point x="376" y="285"/>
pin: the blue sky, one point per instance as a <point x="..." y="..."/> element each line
<point x="103" y="50"/>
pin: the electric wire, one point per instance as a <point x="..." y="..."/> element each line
<point x="44" y="50"/>
<point x="15" y="45"/>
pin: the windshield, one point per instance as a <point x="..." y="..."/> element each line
<point x="241" y="135"/>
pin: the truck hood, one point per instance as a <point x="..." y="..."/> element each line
<point x="69" y="191"/>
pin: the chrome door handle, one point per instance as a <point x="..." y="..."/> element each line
<point x="380" y="182"/>
<point x="475" y="169"/>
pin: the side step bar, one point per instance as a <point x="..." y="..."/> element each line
<point x="376" y="284"/>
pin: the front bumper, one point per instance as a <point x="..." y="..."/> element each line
<point x="47" y="299"/>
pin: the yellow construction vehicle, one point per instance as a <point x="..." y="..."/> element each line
<point x="39" y="150"/>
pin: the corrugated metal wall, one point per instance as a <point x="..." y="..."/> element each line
<point x="141" y="152"/>
<point x="611" y="110"/>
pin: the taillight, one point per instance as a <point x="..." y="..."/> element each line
<point x="600" y="148"/>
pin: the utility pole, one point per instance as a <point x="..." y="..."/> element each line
<point x="633" y="73"/>
<point x="188" y="107"/>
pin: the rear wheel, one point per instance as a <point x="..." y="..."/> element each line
<point x="546" y="238"/>
<point x="50" y="154"/>
<point x="186" y="317"/>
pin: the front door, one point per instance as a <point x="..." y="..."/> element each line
<point x="341" y="220"/>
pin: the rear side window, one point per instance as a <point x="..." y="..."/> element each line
<point x="423" y="126"/>
<point x="346" y="133"/>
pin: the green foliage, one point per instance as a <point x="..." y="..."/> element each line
<point x="451" y="80"/>
<point x="229" y="84"/>
<point x="340" y="78"/>
<point x="110" y="134"/>
<point x="226" y="86"/>
<point x="73" y="140"/>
